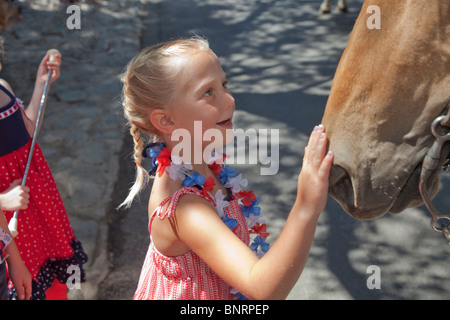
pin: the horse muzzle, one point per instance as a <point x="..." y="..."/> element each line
<point x="364" y="199"/>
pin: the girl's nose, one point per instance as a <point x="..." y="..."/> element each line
<point x="229" y="100"/>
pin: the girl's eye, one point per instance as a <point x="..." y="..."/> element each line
<point x="208" y="93"/>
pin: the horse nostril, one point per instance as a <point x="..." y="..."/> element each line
<point x="336" y="174"/>
<point x="341" y="188"/>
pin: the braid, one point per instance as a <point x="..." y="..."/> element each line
<point x="142" y="176"/>
<point x="138" y="143"/>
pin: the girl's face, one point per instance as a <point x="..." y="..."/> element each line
<point x="203" y="96"/>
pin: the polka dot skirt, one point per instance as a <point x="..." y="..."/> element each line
<point x="45" y="240"/>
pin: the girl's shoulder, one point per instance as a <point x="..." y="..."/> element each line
<point x="161" y="189"/>
<point x="165" y="191"/>
<point x="6" y="93"/>
<point x="5" y="84"/>
<point x="167" y="199"/>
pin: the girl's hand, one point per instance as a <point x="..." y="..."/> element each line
<point x="20" y="277"/>
<point x="47" y="65"/>
<point x="312" y="192"/>
<point x="16" y="197"/>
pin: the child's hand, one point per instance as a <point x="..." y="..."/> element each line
<point x="16" y="197"/>
<point x="313" y="179"/>
<point x="21" y="278"/>
<point x="47" y="65"/>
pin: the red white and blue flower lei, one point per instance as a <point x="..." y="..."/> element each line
<point x="248" y="202"/>
<point x="5" y="239"/>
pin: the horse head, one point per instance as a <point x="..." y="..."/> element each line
<point x="390" y="84"/>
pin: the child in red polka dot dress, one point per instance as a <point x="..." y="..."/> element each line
<point x="46" y="241"/>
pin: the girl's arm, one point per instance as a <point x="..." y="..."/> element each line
<point x="274" y="275"/>
<point x="32" y="110"/>
<point x="17" y="270"/>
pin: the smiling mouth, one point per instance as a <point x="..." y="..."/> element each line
<point x="225" y="123"/>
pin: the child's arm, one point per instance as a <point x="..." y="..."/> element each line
<point x="41" y="77"/>
<point x="16" y="197"/>
<point x="17" y="270"/>
<point x="274" y="275"/>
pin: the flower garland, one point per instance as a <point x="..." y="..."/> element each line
<point x="5" y="239"/>
<point x="162" y="161"/>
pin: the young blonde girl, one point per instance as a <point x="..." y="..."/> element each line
<point x="207" y="233"/>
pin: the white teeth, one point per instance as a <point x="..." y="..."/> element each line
<point x="223" y="122"/>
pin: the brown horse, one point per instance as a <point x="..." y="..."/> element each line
<point x="390" y="84"/>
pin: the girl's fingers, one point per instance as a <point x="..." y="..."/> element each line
<point x="316" y="152"/>
<point x="319" y="152"/>
<point x="324" y="170"/>
<point x="54" y="67"/>
<point x="316" y="146"/>
<point x="15" y="183"/>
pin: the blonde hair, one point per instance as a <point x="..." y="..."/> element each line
<point x="150" y="81"/>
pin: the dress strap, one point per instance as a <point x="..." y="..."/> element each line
<point x="173" y="201"/>
<point x="5" y="90"/>
<point x="11" y="107"/>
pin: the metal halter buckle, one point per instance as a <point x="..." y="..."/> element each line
<point x="439" y="222"/>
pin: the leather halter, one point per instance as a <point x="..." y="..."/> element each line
<point x="435" y="157"/>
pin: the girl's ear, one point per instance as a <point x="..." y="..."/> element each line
<point x="161" y="121"/>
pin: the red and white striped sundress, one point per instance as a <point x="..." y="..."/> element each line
<point x="185" y="277"/>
